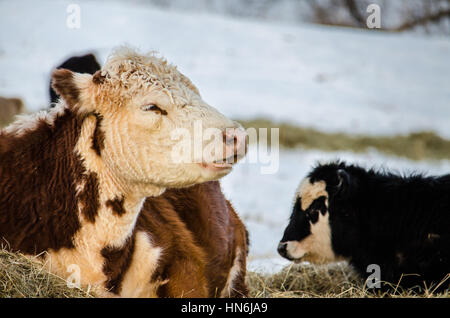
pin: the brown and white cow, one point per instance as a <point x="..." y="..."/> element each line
<point x="74" y="179"/>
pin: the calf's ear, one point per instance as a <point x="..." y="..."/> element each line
<point x="71" y="87"/>
<point x="344" y="183"/>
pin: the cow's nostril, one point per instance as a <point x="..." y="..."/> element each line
<point x="282" y="249"/>
<point x="235" y="142"/>
<point x="229" y="137"/>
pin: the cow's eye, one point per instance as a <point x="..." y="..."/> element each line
<point x="153" y="108"/>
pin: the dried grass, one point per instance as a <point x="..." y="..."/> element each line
<point x="21" y="276"/>
<point x="415" y="146"/>
<point x="324" y="281"/>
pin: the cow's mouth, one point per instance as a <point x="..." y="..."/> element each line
<point x="296" y="260"/>
<point x="223" y="164"/>
<point x="216" y="166"/>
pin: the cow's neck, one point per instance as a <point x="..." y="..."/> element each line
<point x="119" y="202"/>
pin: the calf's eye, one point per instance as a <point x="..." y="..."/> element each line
<point x="312" y="215"/>
<point x="153" y="108"/>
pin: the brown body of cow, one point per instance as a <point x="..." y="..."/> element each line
<point x="204" y="239"/>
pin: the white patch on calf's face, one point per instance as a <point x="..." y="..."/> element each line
<point x="320" y="240"/>
<point x="295" y="250"/>
<point x="316" y="247"/>
<point x="308" y="192"/>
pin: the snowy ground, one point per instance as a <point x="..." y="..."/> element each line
<point x="328" y="78"/>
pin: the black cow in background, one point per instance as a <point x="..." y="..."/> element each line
<point x="400" y="224"/>
<point x="80" y="64"/>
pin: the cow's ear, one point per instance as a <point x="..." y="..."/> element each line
<point x="71" y="87"/>
<point x="344" y="183"/>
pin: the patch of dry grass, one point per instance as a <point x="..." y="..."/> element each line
<point x="3" y="123"/>
<point x="416" y="146"/>
<point x="325" y="281"/>
<point x="21" y="276"/>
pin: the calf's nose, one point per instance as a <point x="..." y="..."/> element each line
<point x="282" y="249"/>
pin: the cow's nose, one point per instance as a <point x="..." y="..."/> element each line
<point x="282" y="249"/>
<point x="236" y="141"/>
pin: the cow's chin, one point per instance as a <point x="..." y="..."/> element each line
<point x="195" y="173"/>
<point x="214" y="171"/>
<point x="299" y="255"/>
<point x="217" y="167"/>
<point x="308" y="258"/>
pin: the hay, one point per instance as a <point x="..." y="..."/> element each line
<point x="324" y="281"/>
<point x="21" y="276"/>
<point x="306" y="281"/>
<point x="415" y="146"/>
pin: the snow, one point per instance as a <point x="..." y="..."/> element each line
<point x="333" y="79"/>
<point x="329" y="78"/>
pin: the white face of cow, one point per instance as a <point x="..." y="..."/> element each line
<point x="147" y="110"/>
<point x="308" y="235"/>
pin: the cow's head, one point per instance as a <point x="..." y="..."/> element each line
<point x="144" y="108"/>
<point x="321" y="226"/>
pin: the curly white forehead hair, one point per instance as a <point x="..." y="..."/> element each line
<point x="129" y="69"/>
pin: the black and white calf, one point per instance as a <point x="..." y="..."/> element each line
<point x="401" y="224"/>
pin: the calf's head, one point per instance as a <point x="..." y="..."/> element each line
<point x="321" y="226"/>
<point x="140" y="102"/>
